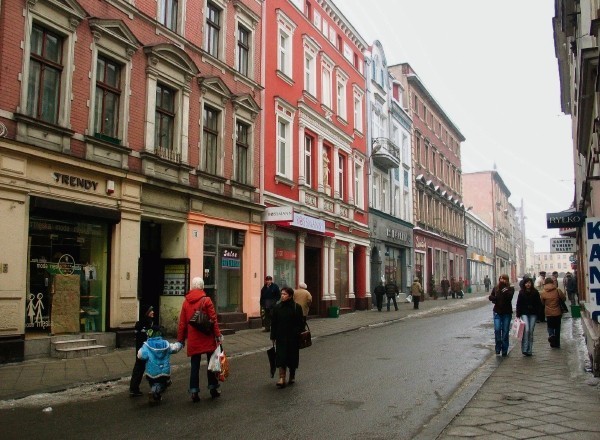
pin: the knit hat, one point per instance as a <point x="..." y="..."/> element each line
<point x="548" y="280"/>
<point x="145" y="310"/>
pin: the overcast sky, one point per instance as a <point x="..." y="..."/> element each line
<point x="491" y="66"/>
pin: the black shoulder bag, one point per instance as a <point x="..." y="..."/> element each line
<point x="201" y="321"/>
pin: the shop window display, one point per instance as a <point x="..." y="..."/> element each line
<point x="284" y="266"/>
<point x="67" y="276"/>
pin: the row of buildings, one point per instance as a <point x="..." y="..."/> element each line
<point x="576" y="36"/>
<point x="143" y="143"/>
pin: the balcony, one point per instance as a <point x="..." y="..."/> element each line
<point x="385" y="153"/>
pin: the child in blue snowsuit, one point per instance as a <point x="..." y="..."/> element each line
<point x="157" y="353"/>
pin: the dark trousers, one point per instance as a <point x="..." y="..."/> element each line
<point x="137" y="374"/>
<point x="554" y="323"/>
<point x="267" y="318"/>
<point x="159" y="384"/>
<point x="213" y="381"/>
<point x="392" y="298"/>
<point x="379" y="299"/>
<point x="416" y="300"/>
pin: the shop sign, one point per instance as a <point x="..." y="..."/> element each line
<point x="502" y="254"/>
<point x="395" y="234"/>
<point x="230" y="259"/>
<point x="562" y="245"/>
<point x="306" y="222"/>
<point x="278" y="214"/>
<point x="558" y="220"/>
<point x="420" y="243"/>
<point x="75" y="182"/>
<point x="593" y="257"/>
<point x="285" y="254"/>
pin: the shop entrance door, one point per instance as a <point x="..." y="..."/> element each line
<point x="210" y="278"/>
<point x="312" y="277"/>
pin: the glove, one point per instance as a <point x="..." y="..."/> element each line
<point x="182" y="343"/>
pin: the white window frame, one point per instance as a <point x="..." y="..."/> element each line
<point x="171" y="66"/>
<point x="285" y="31"/>
<point x="342" y="163"/>
<point x="284" y="113"/>
<point x="359" y="187"/>
<point x="326" y="82"/>
<point x="358" y="95"/>
<point x="109" y="42"/>
<point x="375" y="202"/>
<point x="309" y="154"/>
<point x="222" y="6"/>
<point x="311" y="50"/>
<point x="341" y="94"/>
<point x="181" y="6"/>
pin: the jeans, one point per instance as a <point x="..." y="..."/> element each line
<point x="213" y="381"/>
<point x="527" y="341"/>
<point x="392" y="298"/>
<point x="501" y="329"/>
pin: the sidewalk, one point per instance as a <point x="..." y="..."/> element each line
<point x="545" y="396"/>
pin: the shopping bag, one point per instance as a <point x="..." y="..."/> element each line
<point x="409" y="298"/>
<point x="224" y="366"/>
<point x="517" y="329"/>
<point x="271" y="356"/>
<point x="304" y="338"/>
<point x="214" y="364"/>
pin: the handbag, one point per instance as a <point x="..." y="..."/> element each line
<point x="563" y="305"/>
<point x="517" y="329"/>
<point x="304" y="338"/>
<point x="201" y="321"/>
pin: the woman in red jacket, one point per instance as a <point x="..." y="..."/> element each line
<point x="199" y="343"/>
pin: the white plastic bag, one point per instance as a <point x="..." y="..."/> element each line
<point x="409" y="298"/>
<point x="214" y="364"/>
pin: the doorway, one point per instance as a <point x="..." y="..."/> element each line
<point x="312" y="277"/>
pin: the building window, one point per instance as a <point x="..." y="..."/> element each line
<point x="243" y="50"/>
<point x="326" y="87"/>
<point x="210" y="131"/>
<point x="164" y="119"/>
<point x="168" y="13"/>
<point x="283" y="147"/>
<point x="213" y="29"/>
<point x="310" y="83"/>
<point x="45" y="71"/>
<point x="341" y="183"/>
<point x="375" y="191"/>
<point x="241" y="152"/>
<point x="308" y="160"/>
<point x="358" y="111"/>
<point x="285" y="54"/>
<point x="358" y="186"/>
<point x="108" y="94"/>
<point x="341" y="99"/>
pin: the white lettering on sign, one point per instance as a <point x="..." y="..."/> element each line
<point x="593" y="256"/>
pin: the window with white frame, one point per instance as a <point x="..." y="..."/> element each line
<point x="326" y="85"/>
<point x="169" y="71"/>
<point x="284" y="43"/>
<point x="311" y="49"/>
<point x="243" y="48"/>
<point x="283" y="146"/>
<point x="358" y="109"/>
<point x="169" y="14"/>
<point x="405" y="156"/>
<point x="359" y="191"/>
<point x="375" y="196"/>
<point x="385" y="188"/>
<point x="108" y="97"/>
<point x="341" y="176"/>
<point x="210" y="140"/>
<point x="396" y="207"/>
<point x="242" y="148"/>
<point x="341" y="95"/>
<point x="213" y="29"/>
<point x="308" y="160"/>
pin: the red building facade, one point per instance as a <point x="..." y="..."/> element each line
<point x="315" y="159"/>
<point x="439" y="233"/>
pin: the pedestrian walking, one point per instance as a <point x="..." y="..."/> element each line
<point x="269" y="295"/>
<point x="487" y="282"/>
<point x="286" y="326"/>
<point x="199" y="343"/>
<point x="501" y="296"/>
<point x="379" y="292"/>
<point x="303" y="298"/>
<point x="141" y="328"/>
<point x="416" y="290"/>
<point x="571" y="288"/>
<point x="391" y="290"/>
<point x="528" y="306"/>
<point x="156" y="353"/>
<point x="551" y="296"/>
<point x="445" y="285"/>
<point x="539" y="285"/>
<point x="459" y="288"/>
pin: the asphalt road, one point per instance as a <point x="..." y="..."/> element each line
<point x="387" y="382"/>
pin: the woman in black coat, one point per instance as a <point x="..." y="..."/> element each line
<point x="286" y="325"/>
<point x="528" y="307"/>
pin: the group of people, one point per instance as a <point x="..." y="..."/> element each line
<point x="538" y="300"/>
<point x="284" y="316"/>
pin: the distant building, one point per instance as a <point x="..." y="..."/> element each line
<point x="480" y="250"/>
<point x="550" y="262"/>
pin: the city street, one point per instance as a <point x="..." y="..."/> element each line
<point x="380" y="382"/>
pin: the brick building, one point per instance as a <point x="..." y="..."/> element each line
<point x="129" y="163"/>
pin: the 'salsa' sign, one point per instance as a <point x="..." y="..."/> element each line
<point x="75" y="182"/>
<point x="555" y="220"/>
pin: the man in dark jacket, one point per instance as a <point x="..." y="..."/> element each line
<point x="141" y="327"/>
<point x="269" y="295"/>
<point x="571" y="288"/>
<point x="379" y="292"/>
<point x="391" y="290"/>
<point x="445" y="284"/>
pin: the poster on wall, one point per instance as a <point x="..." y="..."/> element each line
<point x="592" y="234"/>
<point x="176" y="276"/>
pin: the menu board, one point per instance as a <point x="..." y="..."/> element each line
<point x="176" y="275"/>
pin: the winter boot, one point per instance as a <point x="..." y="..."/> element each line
<point x="281" y="382"/>
<point x="292" y="376"/>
